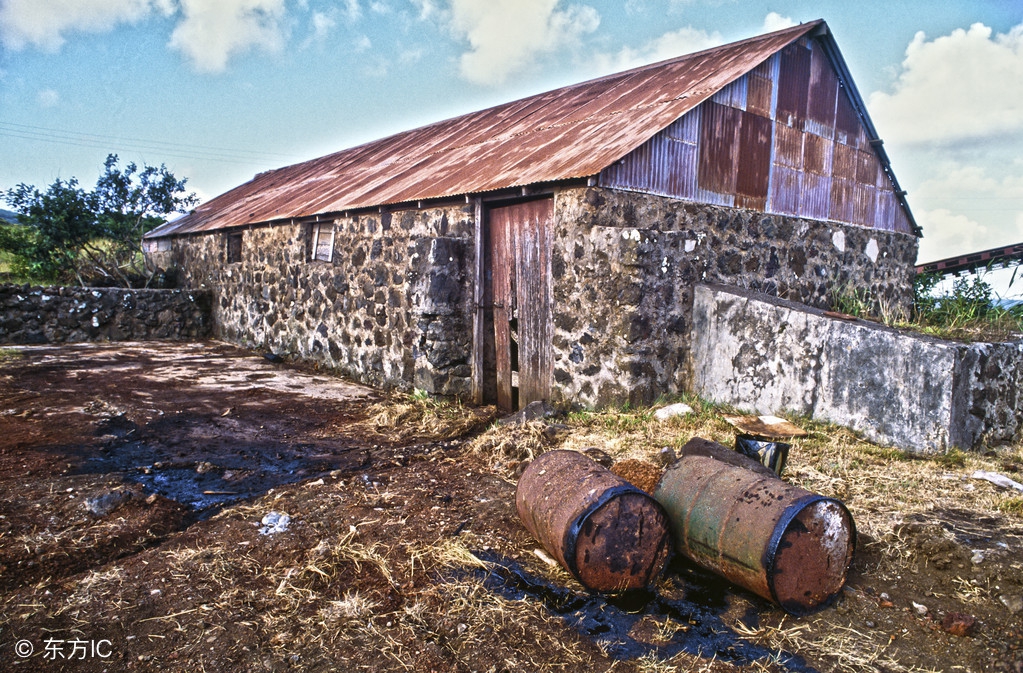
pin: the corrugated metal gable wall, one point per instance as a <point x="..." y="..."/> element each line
<point x="782" y="139"/>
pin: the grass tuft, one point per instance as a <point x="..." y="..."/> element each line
<point x="426" y="418"/>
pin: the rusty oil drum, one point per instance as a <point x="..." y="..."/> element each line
<point x="608" y="534"/>
<point x="734" y="517"/>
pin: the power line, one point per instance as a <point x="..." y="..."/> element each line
<point x="180" y="150"/>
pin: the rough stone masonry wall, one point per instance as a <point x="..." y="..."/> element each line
<point x="392" y="309"/>
<point x="624" y="266"/>
<point x="918" y="393"/>
<point x="32" y="315"/>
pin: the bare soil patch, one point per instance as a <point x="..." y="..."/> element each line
<point x="135" y="481"/>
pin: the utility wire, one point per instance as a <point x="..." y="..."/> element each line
<point x="180" y="150"/>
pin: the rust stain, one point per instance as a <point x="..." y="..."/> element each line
<point x="608" y="533"/>
<point x="573" y="132"/>
<point x="735" y="517"/>
<point x="767" y="123"/>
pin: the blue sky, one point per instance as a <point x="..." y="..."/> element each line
<point x="219" y="90"/>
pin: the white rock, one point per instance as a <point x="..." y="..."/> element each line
<point x="998" y="479"/>
<point x="274" y="522"/>
<point x="672" y="410"/>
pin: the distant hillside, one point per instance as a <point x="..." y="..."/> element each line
<point x="8" y="216"/>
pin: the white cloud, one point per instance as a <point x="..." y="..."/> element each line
<point x="322" y="25"/>
<point x="669" y="45"/>
<point x="352" y="10"/>
<point x="953" y="123"/>
<point x="48" y="98"/>
<point x="506" y="35"/>
<point x="212" y="31"/>
<point x="427" y="9"/>
<point x="947" y="234"/>
<point x="775" y="21"/>
<point x="43" y="23"/>
<point x="968" y="208"/>
<point x="675" y="43"/>
<point x="965" y="85"/>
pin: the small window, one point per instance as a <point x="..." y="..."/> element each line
<point x="322" y="248"/>
<point x="234" y="248"/>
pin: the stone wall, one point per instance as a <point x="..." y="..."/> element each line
<point x="918" y="393"/>
<point x="624" y="266"/>
<point x="392" y="309"/>
<point x="31" y="315"/>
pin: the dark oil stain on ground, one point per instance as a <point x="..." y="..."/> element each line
<point x="611" y="620"/>
<point x="218" y="473"/>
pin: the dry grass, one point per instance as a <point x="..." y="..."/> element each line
<point x="848" y="649"/>
<point x="426" y="419"/>
<point x="507" y="448"/>
<point x="346" y="589"/>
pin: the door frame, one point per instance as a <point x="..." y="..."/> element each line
<point x="482" y="205"/>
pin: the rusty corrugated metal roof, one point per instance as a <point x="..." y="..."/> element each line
<point x="572" y="132"/>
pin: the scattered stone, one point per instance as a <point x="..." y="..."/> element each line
<point x="920" y="609"/>
<point x="551" y="431"/>
<point x="958" y="624"/>
<point x="204" y="467"/>
<point x="672" y="411"/>
<point x="274" y="522"/>
<point x="999" y="480"/>
<point x="665" y="457"/>
<point x="977" y="558"/>
<point x="540" y="554"/>
<point x="534" y="411"/>
<point x="1014" y="603"/>
<point x="599" y="456"/>
<point x="103" y="505"/>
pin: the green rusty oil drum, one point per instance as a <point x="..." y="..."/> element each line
<point x="731" y="515"/>
<point x="607" y="533"/>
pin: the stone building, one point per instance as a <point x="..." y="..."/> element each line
<point x="548" y="247"/>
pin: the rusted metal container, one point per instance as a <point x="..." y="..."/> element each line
<point x="735" y="517"/>
<point x="609" y="534"/>
<point x="767" y="452"/>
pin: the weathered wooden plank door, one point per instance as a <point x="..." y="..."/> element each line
<point x="518" y="256"/>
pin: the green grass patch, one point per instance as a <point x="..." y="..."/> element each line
<point x="968" y="312"/>
<point x="953" y="458"/>
<point x="7" y="354"/>
<point x="1011" y="506"/>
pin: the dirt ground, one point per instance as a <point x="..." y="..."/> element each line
<point x="140" y="485"/>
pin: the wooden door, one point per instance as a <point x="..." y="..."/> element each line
<point x="517" y="268"/>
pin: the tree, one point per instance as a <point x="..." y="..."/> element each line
<point x="94" y="237"/>
<point x="53" y="228"/>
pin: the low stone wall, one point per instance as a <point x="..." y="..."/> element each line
<point x="924" y="395"/>
<point x="31" y="315"/>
